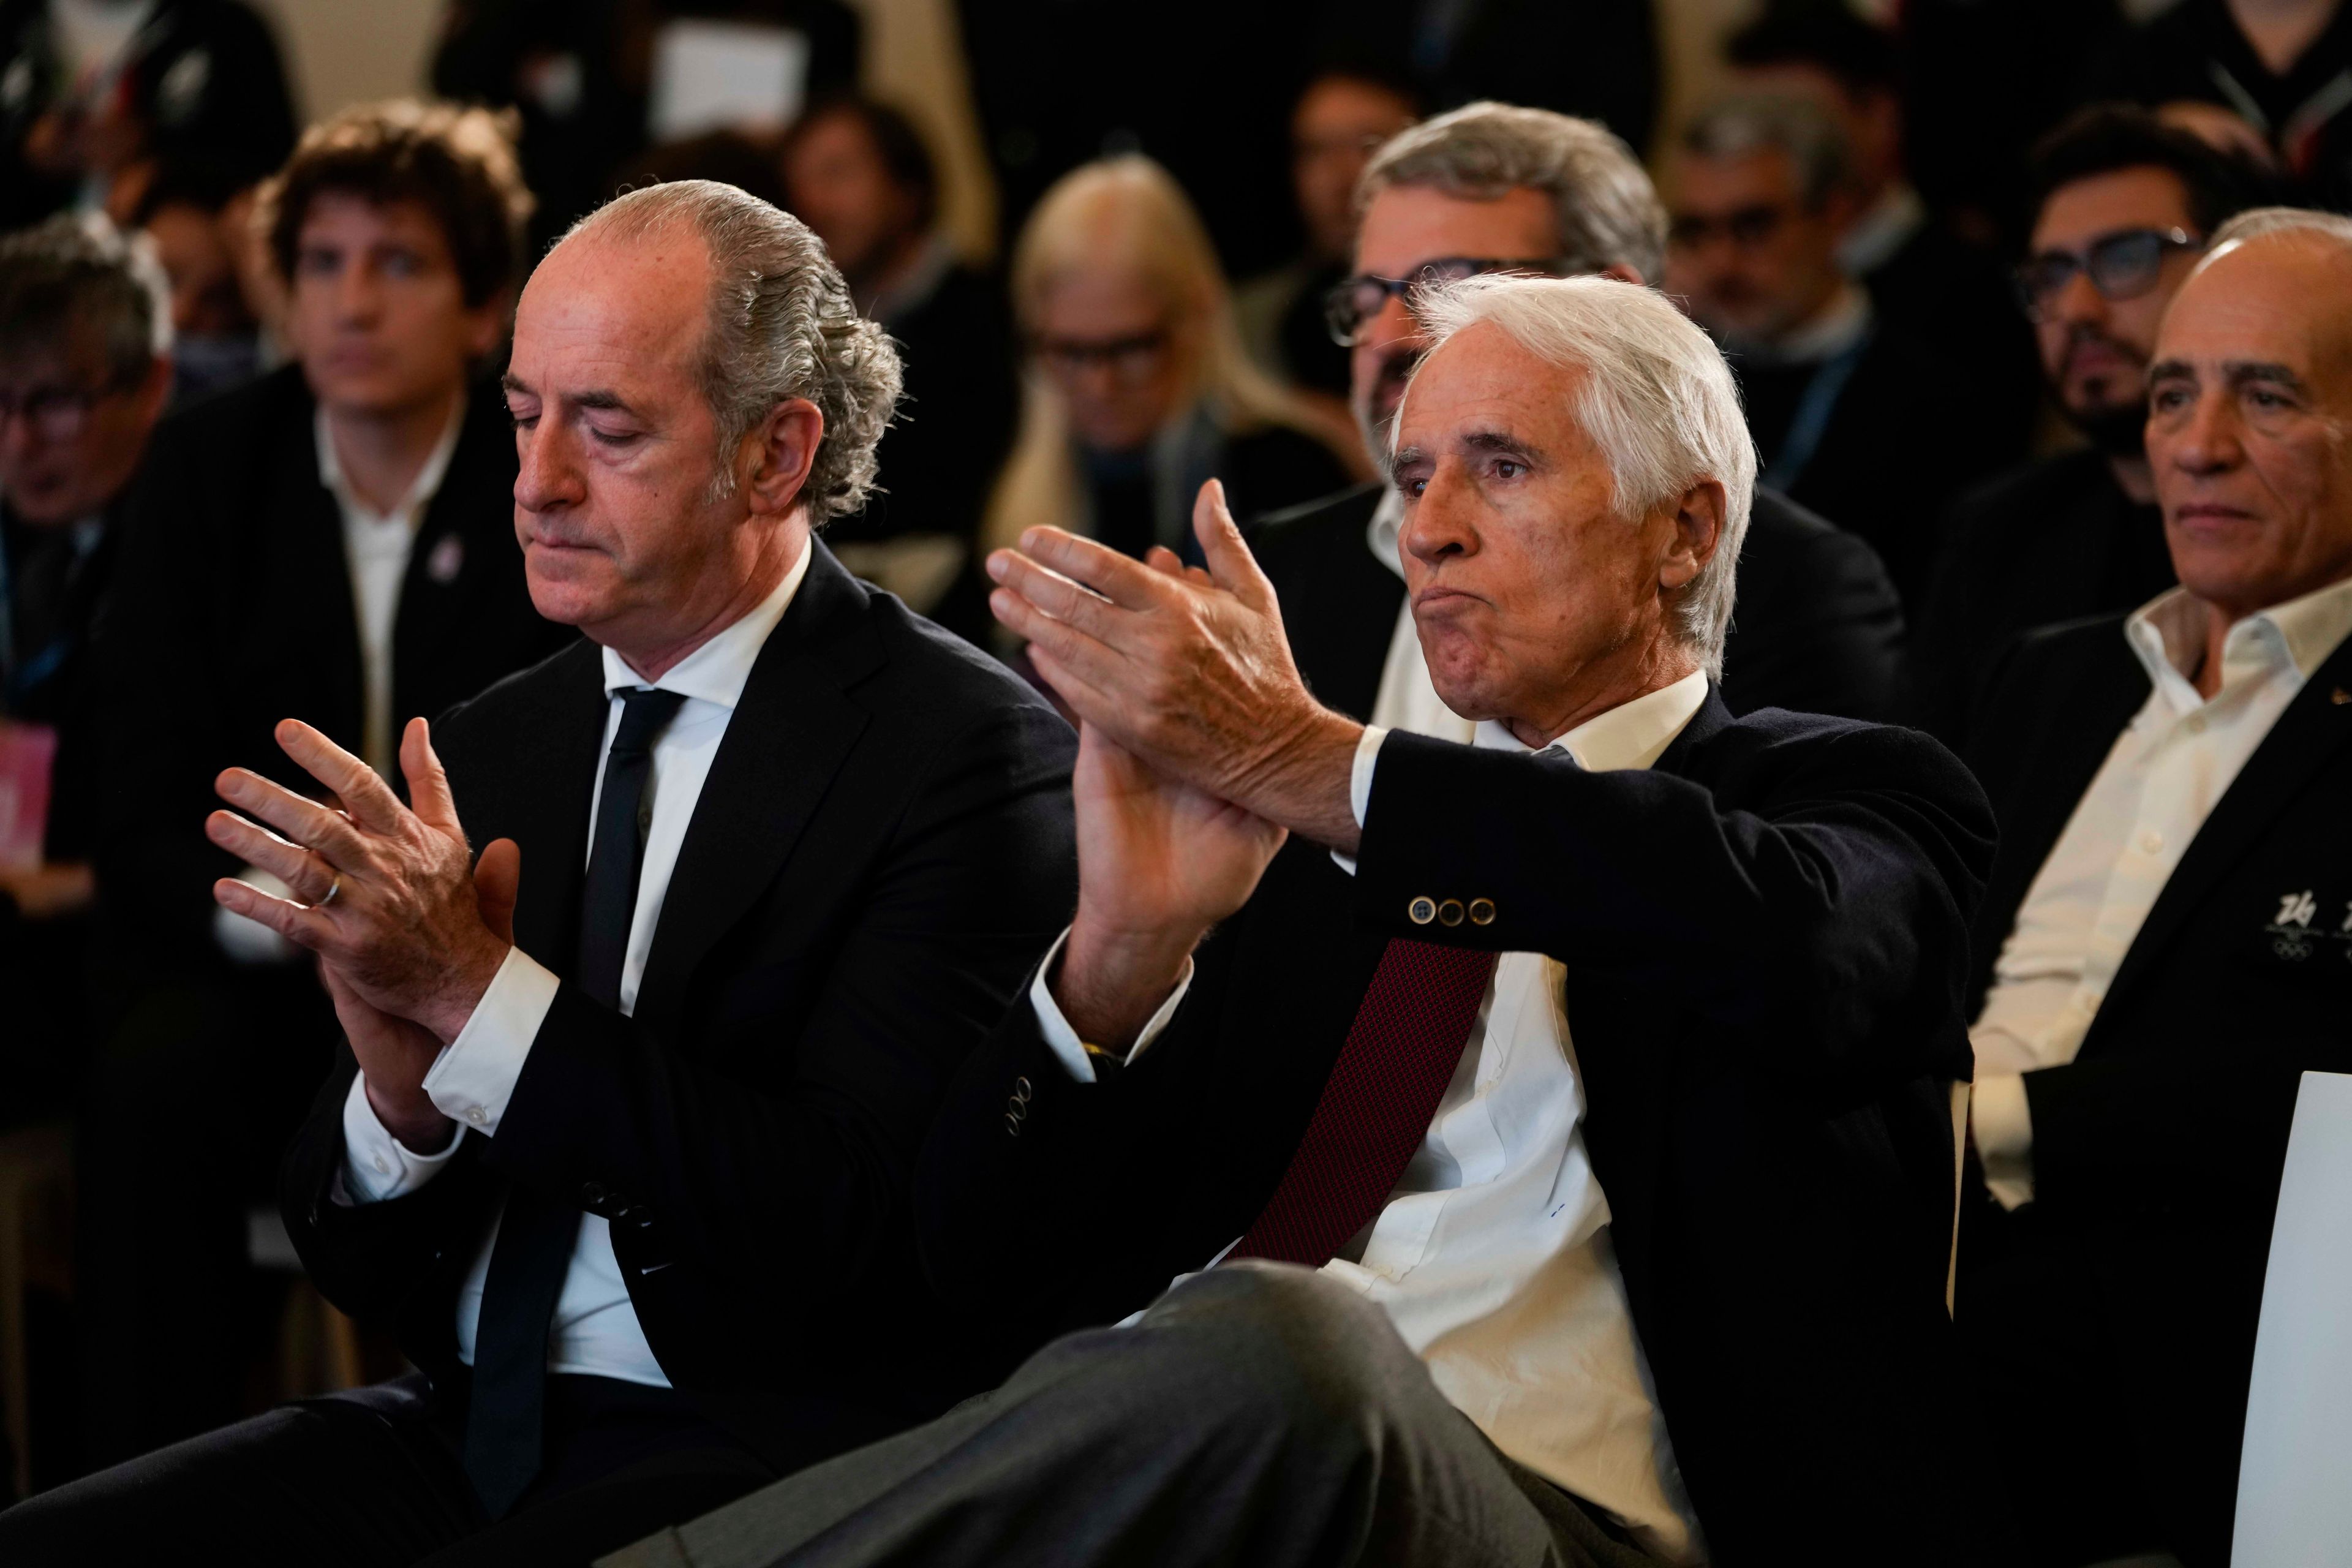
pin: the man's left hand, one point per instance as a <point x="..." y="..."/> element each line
<point x="390" y="897"/>
<point x="1191" y="672"/>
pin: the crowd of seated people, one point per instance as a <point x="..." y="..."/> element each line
<point x="863" y="907"/>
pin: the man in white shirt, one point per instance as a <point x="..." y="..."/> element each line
<point x="2167" y="942"/>
<point x="1584" y="1115"/>
<point x="623" y="1141"/>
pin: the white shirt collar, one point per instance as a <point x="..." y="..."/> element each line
<point x="420" y="489"/>
<point x="2168" y="634"/>
<point x="1387" y="527"/>
<point x="1837" y="327"/>
<point x="716" y="671"/>
<point x="1632" y="735"/>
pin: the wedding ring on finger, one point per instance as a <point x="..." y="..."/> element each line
<point x="332" y="888"/>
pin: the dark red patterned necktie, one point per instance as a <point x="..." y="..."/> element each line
<point x="1376" y="1107"/>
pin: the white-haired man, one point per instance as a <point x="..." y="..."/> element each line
<point x="1581" y="1096"/>
<point x="622" y="1142"/>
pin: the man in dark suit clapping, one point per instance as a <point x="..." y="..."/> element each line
<point x="2165" y="944"/>
<point x="623" y="1152"/>
<point x="1589" y="1127"/>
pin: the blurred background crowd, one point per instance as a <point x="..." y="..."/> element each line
<point x="257" y="277"/>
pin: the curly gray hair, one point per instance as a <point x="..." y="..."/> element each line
<point x="781" y="325"/>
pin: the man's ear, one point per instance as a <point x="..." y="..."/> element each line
<point x="1622" y="273"/>
<point x="782" y="449"/>
<point x="1698" y="530"/>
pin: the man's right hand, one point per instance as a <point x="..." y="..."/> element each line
<point x="395" y="1054"/>
<point x="1158" y="864"/>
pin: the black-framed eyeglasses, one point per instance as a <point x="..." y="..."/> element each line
<point x="1355" y="300"/>
<point x="2121" y="265"/>
<point x="1129" y="359"/>
<point x="54" y="413"/>
<point x="1746" y="227"/>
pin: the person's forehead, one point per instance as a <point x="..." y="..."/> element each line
<point x="2277" y="299"/>
<point x="836" y="138"/>
<point x="1701" y="180"/>
<point x="1481" y="380"/>
<point x="2083" y="209"/>
<point x="67" y="354"/>
<point x="1408" y="224"/>
<point x="1337" y="105"/>
<point x="349" y="217"/>
<point x="638" y="304"/>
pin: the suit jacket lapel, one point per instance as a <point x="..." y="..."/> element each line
<point x="2307" y="736"/>
<point x="788" y="737"/>
<point x="457" y="538"/>
<point x="550" y="817"/>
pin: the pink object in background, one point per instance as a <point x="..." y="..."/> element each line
<point x="26" y="753"/>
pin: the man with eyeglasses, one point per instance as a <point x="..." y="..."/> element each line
<point x="85" y="368"/>
<point x="1498" y="188"/>
<point x="1852" y="415"/>
<point x="2125" y="205"/>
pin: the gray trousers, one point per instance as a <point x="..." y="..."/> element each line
<point x="1258" y="1415"/>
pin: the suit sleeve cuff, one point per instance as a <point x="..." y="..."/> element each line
<point x="377" y="1165"/>
<point x="1062" y="1040"/>
<point x="2003" y="1125"/>
<point x="472" y="1081"/>
<point x="1359" y="785"/>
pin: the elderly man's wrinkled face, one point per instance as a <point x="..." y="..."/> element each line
<point x="616" y="505"/>
<point x="1753" y="257"/>
<point x="1405" y="228"/>
<point x="1532" y="594"/>
<point x="2249" y="423"/>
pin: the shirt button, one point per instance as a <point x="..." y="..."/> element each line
<point x="2151" y="841"/>
<point x="381" y="1167"/>
<point x="2196" y="724"/>
<point x="477" y="1115"/>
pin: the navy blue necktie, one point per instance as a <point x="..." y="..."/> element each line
<point x="537" y="1235"/>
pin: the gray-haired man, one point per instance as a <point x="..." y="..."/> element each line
<point x="624" y="1154"/>
<point x="1497" y="186"/>
<point x="1670" y="1289"/>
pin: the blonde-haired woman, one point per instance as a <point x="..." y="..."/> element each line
<point x="1136" y="389"/>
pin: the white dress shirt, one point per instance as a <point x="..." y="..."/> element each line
<point x="377" y="545"/>
<point x="1493" y="1256"/>
<point x="595" y="1330"/>
<point x="2161" y="779"/>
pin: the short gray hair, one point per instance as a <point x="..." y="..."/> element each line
<point x="1606" y="211"/>
<point x="1655" y="396"/>
<point x="1750" y="123"/>
<point x="82" y="274"/>
<point x="2258" y="221"/>
<point x="781" y="325"/>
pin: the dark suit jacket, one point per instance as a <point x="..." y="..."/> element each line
<point x="232" y="610"/>
<point x="1766" y="944"/>
<point x="880" y="851"/>
<point x="2055" y="541"/>
<point x="1815" y="629"/>
<point x="2165" y="1138"/>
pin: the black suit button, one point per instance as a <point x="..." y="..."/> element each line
<point x="592" y="1196"/>
<point x="1450" y="912"/>
<point x="1012" y="1125"/>
<point x="1021" y="1091"/>
<point x="1482" y="911"/>
<point x="1422" y="911"/>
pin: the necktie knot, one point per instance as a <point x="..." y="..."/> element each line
<point x="644" y="711"/>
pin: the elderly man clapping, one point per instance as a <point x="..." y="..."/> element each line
<point x="1591" y="1082"/>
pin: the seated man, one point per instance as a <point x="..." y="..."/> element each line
<point x="1539" y="192"/>
<point x="1605" y="1085"/>
<point x="625" y="1158"/>
<point x="1853" y="415"/>
<point x="84" y="367"/>
<point x="2126" y="204"/>
<point x="2163" y="948"/>
<point x="330" y="543"/>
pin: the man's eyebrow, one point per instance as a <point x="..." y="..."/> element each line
<point x="1500" y="441"/>
<point x="1403" y="458"/>
<point x="2238" y="373"/>
<point x="513" y="382"/>
<point x="2166" y="370"/>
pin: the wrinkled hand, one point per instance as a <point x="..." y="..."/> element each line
<point x="390" y="901"/>
<point x="1191" y="673"/>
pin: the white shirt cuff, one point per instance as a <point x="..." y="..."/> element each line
<point x="376" y="1165"/>
<point x="472" y="1081"/>
<point x="1359" y="785"/>
<point x="2003" y="1123"/>
<point x="1062" y="1040"/>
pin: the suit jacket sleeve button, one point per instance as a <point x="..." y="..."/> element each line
<point x="1449" y="914"/>
<point x="592" y="1195"/>
<point x="1012" y="1125"/>
<point x="1422" y="911"/>
<point x="1482" y="911"/>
